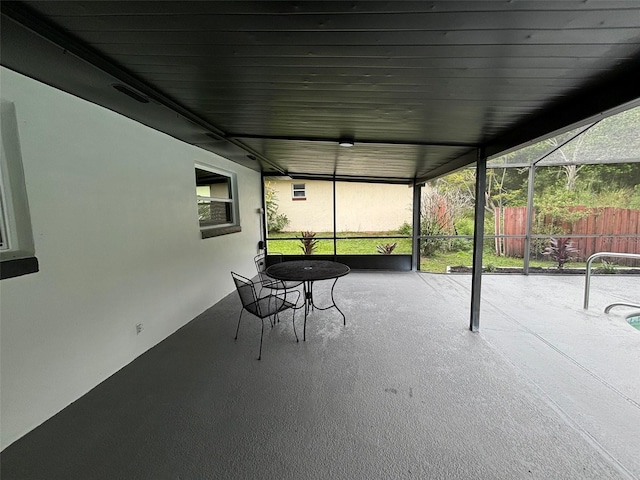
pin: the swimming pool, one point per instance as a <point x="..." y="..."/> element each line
<point x="634" y="320"/>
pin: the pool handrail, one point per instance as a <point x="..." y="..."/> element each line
<point x="587" y="283"/>
<point x="630" y="305"/>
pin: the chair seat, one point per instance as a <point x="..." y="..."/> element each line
<point x="263" y="306"/>
<point x="269" y="305"/>
<point x="268" y="282"/>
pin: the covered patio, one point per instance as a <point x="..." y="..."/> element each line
<point x="116" y="115"/>
<point x="405" y="390"/>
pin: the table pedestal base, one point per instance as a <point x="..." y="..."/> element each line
<point x="309" y="304"/>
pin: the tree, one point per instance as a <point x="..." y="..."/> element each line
<point x="504" y="187"/>
<point x="571" y="157"/>
<point x="444" y="202"/>
<point x="275" y="221"/>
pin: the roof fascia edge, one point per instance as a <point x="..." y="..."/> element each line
<point x="462" y="161"/>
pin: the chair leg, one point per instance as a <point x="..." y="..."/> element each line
<point x="272" y="319"/>
<point x="261" y="335"/>
<point x="293" y="320"/>
<point x="276" y="318"/>
<point x="238" y="327"/>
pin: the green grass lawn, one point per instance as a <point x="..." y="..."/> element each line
<point x="437" y="263"/>
<point x="354" y="246"/>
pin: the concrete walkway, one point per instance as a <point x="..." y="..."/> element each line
<point x="544" y="391"/>
<point x="586" y="364"/>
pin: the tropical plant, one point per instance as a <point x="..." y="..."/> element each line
<point x="308" y="242"/>
<point x="539" y="245"/>
<point x="607" y="267"/>
<point x="490" y="267"/>
<point x="561" y="250"/>
<point x="275" y="221"/>
<point x="387" y="249"/>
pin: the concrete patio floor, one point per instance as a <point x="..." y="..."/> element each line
<point x="545" y="390"/>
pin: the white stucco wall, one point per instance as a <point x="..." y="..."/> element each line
<point x="113" y="252"/>
<point x="360" y="207"/>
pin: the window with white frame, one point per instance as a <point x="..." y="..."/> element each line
<point x="4" y="243"/>
<point x="298" y="191"/>
<point x="217" y="198"/>
<point x="17" y="253"/>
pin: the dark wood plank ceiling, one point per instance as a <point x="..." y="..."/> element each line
<point x="419" y="85"/>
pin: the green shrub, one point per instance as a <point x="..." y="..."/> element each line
<point x="634" y="200"/>
<point x="430" y="246"/>
<point x="277" y="223"/>
<point x="460" y="245"/>
<point x="405" y="229"/>
<point x="464" y="226"/>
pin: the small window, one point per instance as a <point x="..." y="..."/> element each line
<point x="299" y="191"/>
<point x="216" y="193"/>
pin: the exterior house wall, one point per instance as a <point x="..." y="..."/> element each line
<point x="360" y="207"/>
<point x="112" y="252"/>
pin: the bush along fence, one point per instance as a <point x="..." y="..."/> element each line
<point x="606" y="229"/>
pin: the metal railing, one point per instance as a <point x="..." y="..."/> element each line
<point x="609" y="307"/>
<point x="590" y="260"/>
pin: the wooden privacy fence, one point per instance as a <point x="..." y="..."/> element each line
<point x="604" y="230"/>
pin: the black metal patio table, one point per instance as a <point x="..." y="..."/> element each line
<point x="309" y="271"/>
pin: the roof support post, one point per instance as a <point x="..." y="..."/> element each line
<point x="478" y="239"/>
<point x="262" y="244"/>
<point x="415" y="241"/>
<point x="335" y="220"/>
<point x="529" y="227"/>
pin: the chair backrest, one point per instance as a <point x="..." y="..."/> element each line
<point x="261" y="260"/>
<point x="246" y="289"/>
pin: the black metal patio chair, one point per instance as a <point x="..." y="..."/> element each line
<point x="264" y="307"/>
<point x="265" y="280"/>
